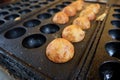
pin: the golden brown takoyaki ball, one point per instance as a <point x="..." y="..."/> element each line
<point x="88" y="13"/>
<point x="60" y="18"/>
<point x="60" y="50"/>
<point x="94" y="8"/>
<point x="82" y="22"/>
<point x="69" y="10"/>
<point x="98" y="6"/>
<point x="78" y="5"/>
<point x="73" y="33"/>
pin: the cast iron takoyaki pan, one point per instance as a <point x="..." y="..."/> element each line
<point x="27" y="41"/>
<point x="13" y="13"/>
<point x="105" y="64"/>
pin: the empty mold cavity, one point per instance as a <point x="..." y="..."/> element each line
<point x="116" y="16"/>
<point x="43" y="3"/>
<point x="50" y="0"/>
<point x="4" y="13"/>
<point x="44" y="16"/>
<point x="49" y="28"/>
<point x="115" y="33"/>
<point x="14" y="9"/>
<point x="6" y="7"/>
<point x="117" y="10"/>
<point x="24" y="0"/>
<point x="17" y="3"/>
<point x="35" y="6"/>
<point x="1" y="22"/>
<point x="110" y="70"/>
<point x="61" y="6"/>
<point x="116" y="23"/>
<point x="25" y="5"/>
<point x="34" y="41"/>
<point x="32" y="23"/>
<point x="24" y="11"/>
<point x="15" y="33"/>
<point x="11" y="17"/>
<point x="52" y="11"/>
<point x="113" y="49"/>
<point x="33" y="1"/>
<point x="66" y="3"/>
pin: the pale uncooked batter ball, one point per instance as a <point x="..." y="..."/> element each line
<point x="60" y="50"/>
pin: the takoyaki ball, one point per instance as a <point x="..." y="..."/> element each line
<point x="98" y="6"/>
<point x="60" y="50"/>
<point x="73" y="33"/>
<point x="78" y="5"/>
<point x="88" y="13"/>
<point x="94" y="7"/>
<point x="82" y="22"/>
<point x="69" y="10"/>
<point x="60" y="18"/>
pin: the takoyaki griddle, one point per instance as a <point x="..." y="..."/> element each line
<point x="27" y="42"/>
<point x="13" y="13"/>
<point x="105" y="63"/>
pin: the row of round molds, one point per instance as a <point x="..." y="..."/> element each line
<point x="11" y="13"/>
<point x="31" y="41"/>
<point x="110" y="70"/>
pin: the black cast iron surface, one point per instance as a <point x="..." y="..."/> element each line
<point x="17" y="69"/>
<point x="105" y="64"/>
<point x="13" y="13"/>
<point x="19" y="42"/>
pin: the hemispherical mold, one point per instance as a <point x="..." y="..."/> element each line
<point x="117" y="10"/>
<point x="24" y="0"/>
<point x="44" y="16"/>
<point x="32" y="23"/>
<point x="116" y="16"/>
<point x="11" y="17"/>
<point x="110" y="70"/>
<point x="25" y="5"/>
<point x="34" y="41"/>
<point x="115" y="33"/>
<point x="14" y="9"/>
<point x="17" y="3"/>
<point x="2" y="22"/>
<point x="33" y="1"/>
<point x="113" y="49"/>
<point x="35" y="6"/>
<point x="3" y="13"/>
<point x="50" y="0"/>
<point x="61" y="6"/>
<point x="116" y="23"/>
<point x="67" y="3"/>
<point x="6" y="7"/>
<point x="43" y="3"/>
<point x="15" y="33"/>
<point x="49" y="28"/>
<point x="24" y="11"/>
<point x="52" y="11"/>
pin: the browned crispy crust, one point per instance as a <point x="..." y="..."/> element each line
<point x="69" y="10"/>
<point x="60" y="50"/>
<point x="82" y="22"/>
<point x="73" y="33"/>
<point x="60" y="18"/>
